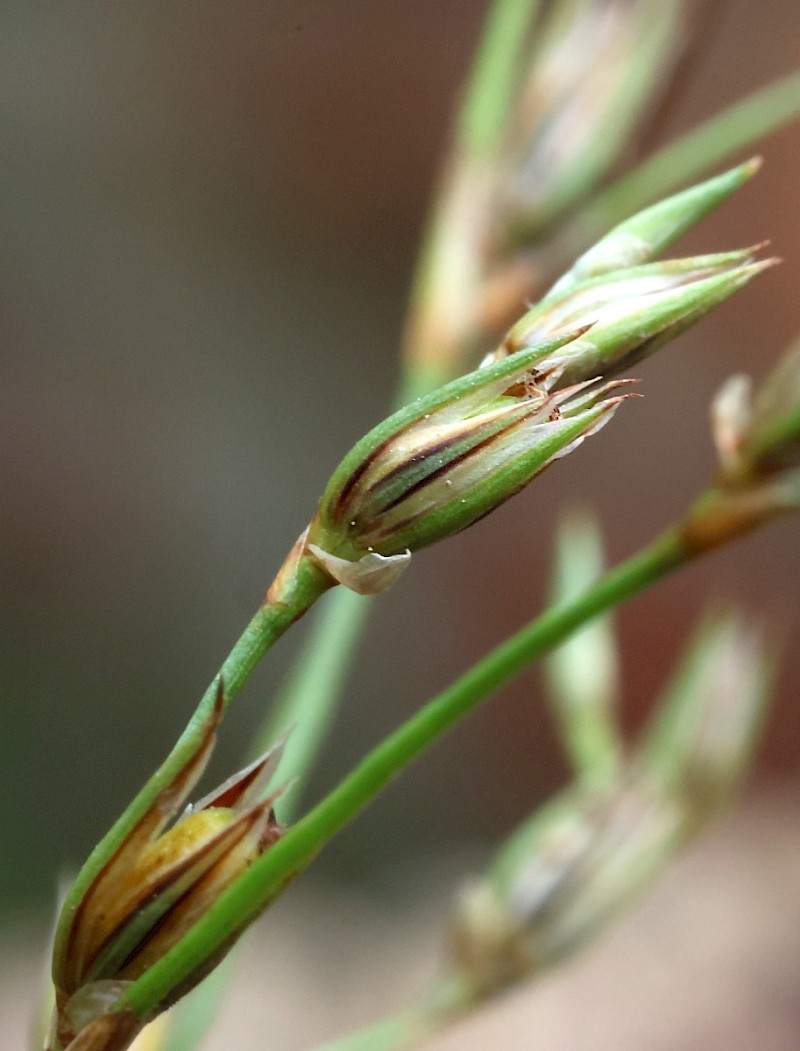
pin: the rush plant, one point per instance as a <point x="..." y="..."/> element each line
<point x="493" y="393"/>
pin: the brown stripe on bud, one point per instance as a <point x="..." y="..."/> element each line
<point x="338" y="507"/>
<point x="462" y="458"/>
<point x="437" y="448"/>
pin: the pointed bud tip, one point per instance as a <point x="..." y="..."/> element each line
<point x="744" y="274"/>
<point x="238" y="790"/>
<point x="763" y="264"/>
<point x="613" y="404"/>
<point x="583" y="329"/>
<point x="284" y="789"/>
<point x="621" y="385"/>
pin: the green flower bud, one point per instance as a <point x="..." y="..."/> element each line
<point x="444" y="462"/>
<point x="643" y="236"/>
<point x="634" y="311"/>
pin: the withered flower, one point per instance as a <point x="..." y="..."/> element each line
<point x="152" y="889"/>
<point x="757" y="436"/>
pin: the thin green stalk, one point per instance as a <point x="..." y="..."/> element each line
<point x="270" y="622"/>
<point x="495" y="72"/>
<point x="448" y="1000"/>
<point x="311" y="692"/>
<point x="250" y="894"/>
<point x="684" y="160"/>
<point x="295" y="591"/>
<point x="307" y="704"/>
<point x="582" y="675"/>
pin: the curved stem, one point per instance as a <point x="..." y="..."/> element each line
<point x="253" y="891"/>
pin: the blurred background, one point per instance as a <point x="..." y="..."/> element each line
<point x="209" y="223"/>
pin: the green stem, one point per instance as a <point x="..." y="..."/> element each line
<point x="308" y="701"/>
<point x="581" y="674"/>
<point x="448" y="1000"/>
<point x="737" y="128"/>
<point x="495" y="72"/>
<point x="256" y="887"/>
<point x="297" y="587"/>
<point x="306" y="585"/>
